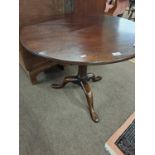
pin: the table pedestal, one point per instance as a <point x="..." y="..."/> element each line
<point x="82" y="79"/>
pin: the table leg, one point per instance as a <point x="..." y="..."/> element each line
<point x="82" y="79"/>
<point x="91" y="76"/>
<point x="65" y="81"/>
<point x="89" y="95"/>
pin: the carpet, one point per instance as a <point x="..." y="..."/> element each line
<point x="57" y="122"/>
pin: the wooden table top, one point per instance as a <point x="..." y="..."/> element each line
<point x="81" y="40"/>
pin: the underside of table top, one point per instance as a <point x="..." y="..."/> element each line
<point x="81" y="40"/>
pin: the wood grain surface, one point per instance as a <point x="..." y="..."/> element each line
<point x="81" y="40"/>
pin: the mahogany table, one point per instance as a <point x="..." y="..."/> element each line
<point x="82" y="41"/>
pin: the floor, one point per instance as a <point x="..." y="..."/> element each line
<point x="57" y="122"/>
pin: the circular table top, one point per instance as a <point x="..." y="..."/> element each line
<point x="81" y="40"/>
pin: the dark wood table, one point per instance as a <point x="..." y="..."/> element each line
<point x="82" y="41"/>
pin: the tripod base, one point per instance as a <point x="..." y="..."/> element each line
<point x="82" y="79"/>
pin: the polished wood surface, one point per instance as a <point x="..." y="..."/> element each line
<point x="81" y="40"/>
<point x="89" y="7"/>
<point x="85" y="7"/>
<point x="33" y="12"/>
